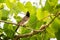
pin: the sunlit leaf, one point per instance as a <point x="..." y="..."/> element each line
<point x="12" y="1"/>
<point x="39" y="23"/>
<point x="9" y="30"/>
<point x="52" y="2"/>
<point x="55" y="25"/>
<point x="50" y="5"/>
<point x="24" y="32"/>
<point x="0" y="14"/>
<point x="1" y="6"/>
<point x="29" y="7"/>
<point x="58" y="6"/>
<point x="45" y="36"/>
<point x="25" y="38"/>
<point x="51" y="32"/>
<point x="58" y="34"/>
<point x="2" y="1"/>
<point x="5" y="16"/>
<point x="33" y="37"/>
<point x="32" y="21"/>
<point x="41" y="14"/>
<point x="9" y="4"/>
<point x="21" y="6"/>
<point x="1" y="31"/>
<point x="18" y="19"/>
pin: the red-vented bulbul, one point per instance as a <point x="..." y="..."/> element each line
<point x="25" y="19"/>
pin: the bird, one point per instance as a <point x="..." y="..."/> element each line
<point x="24" y="20"/>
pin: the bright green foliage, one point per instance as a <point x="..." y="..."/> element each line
<point x="41" y="14"/>
<point x="9" y="30"/>
<point x="1" y="1"/>
<point x="50" y="5"/>
<point x="57" y="34"/>
<point x="21" y="6"/>
<point x="9" y="4"/>
<point x="52" y="2"/>
<point x="1" y="6"/>
<point x="38" y="17"/>
<point x="4" y="14"/>
<point x="1" y="30"/>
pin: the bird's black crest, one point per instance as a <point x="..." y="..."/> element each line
<point x="28" y="14"/>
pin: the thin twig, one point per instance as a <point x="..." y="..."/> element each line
<point x="7" y="22"/>
<point x="42" y="19"/>
<point x="56" y="15"/>
<point x="27" y="35"/>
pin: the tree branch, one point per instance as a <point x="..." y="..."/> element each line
<point x="33" y="32"/>
<point x="7" y="22"/>
<point x="42" y="28"/>
<point x="56" y="15"/>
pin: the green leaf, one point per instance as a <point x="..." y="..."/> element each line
<point x="1" y="6"/>
<point x="33" y="37"/>
<point x="23" y="30"/>
<point x="18" y="19"/>
<point x="12" y="1"/>
<point x="58" y="6"/>
<point x="50" y="32"/>
<point x="41" y="14"/>
<point x="4" y="14"/>
<point x="38" y="36"/>
<point x="1" y="31"/>
<point x="25" y="38"/>
<point x="39" y="23"/>
<point x="28" y="6"/>
<point x="9" y="30"/>
<point x="55" y="25"/>
<point x="52" y="2"/>
<point x="2" y="1"/>
<point x="0" y="14"/>
<point x="58" y="34"/>
<point x="21" y="6"/>
<point x="45" y="35"/>
<point x="16" y="9"/>
<point x="50" y="5"/>
<point x="32" y="21"/>
<point x="32" y="10"/>
<point x="9" y="4"/>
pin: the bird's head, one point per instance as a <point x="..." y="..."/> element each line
<point x="28" y="14"/>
